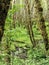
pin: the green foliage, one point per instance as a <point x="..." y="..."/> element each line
<point x="34" y="56"/>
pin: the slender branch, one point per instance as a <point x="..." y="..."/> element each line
<point x="18" y="41"/>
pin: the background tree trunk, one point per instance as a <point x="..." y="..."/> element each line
<point x="41" y="23"/>
<point x="29" y="22"/>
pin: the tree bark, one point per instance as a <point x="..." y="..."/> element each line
<point x="29" y="23"/>
<point x="41" y="23"/>
<point x="4" y="6"/>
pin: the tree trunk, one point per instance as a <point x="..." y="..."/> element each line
<point x="4" y="6"/>
<point x="41" y="23"/>
<point x="14" y="20"/>
<point x="14" y="14"/>
<point x="29" y="23"/>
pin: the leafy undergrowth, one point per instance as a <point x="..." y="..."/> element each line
<point x="35" y="56"/>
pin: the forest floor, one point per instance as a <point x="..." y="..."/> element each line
<point x="21" y="47"/>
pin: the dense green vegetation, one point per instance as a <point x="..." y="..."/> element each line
<point x="16" y="41"/>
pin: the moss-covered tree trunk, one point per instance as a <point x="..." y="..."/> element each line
<point x="4" y="6"/>
<point x="29" y="22"/>
<point x="41" y="23"/>
<point x="14" y="14"/>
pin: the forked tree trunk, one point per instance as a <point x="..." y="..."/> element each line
<point x="29" y="23"/>
<point x="41" y="23"/>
